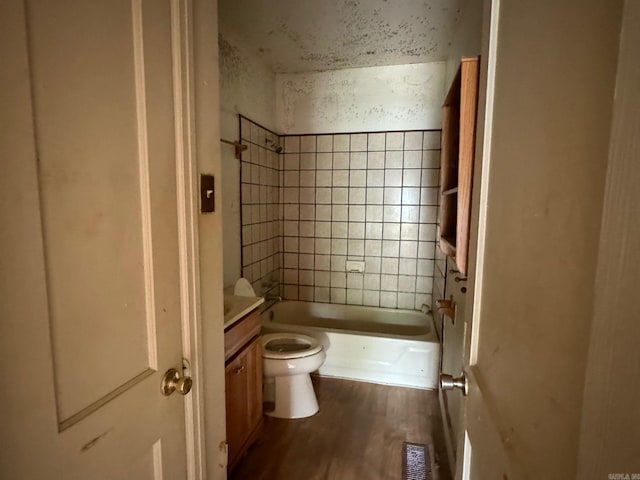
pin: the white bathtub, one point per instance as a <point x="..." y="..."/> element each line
<point x="394" y="347"/>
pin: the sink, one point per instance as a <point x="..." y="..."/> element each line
<point x="230" y="302"/>
<point x="235" y="307"/>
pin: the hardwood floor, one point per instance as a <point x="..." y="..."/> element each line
<point x="357" y="435"/>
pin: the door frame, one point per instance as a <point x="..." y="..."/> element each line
<point x="196" y="94"/>
<point x="188" y="211"/>
<point x="483" y="167"/>
<point x="203" y="333"/>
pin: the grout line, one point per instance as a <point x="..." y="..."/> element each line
<point x="265" y="202"/>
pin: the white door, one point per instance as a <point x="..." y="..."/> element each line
<point x="543" y="140"/>
<point x="91" y="267"/>
<point x="482" y="438"/>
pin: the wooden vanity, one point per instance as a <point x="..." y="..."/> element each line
<point x="243" y="380"/>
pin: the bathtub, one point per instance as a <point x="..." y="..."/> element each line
<point x="393" y="347"/>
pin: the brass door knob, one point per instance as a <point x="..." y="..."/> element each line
<point x="173" y="381"/>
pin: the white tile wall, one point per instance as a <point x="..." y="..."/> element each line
<point x="261" y="211"/>
<point x="370" y="197"/>
<point x="328" y="198"/>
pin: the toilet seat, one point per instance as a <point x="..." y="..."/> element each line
<point x="286" y="346"/>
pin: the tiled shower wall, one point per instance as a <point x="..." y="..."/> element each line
<point x="261" y="239"/>
<point x="365" y="197"/>
<point x="370" y="198"/>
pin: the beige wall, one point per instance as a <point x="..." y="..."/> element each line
<point x="466" y="38"/>
<point x="247" y="86"/>
<point x="556" y="64"/>
<point x="385" y="98"/>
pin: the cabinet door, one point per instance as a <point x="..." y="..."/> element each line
<point x="244" y="397"/>
<point x="237" y="424"/>
<point x="254" y="384"/>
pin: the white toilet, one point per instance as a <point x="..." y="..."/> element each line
<point x="288" y="359"/>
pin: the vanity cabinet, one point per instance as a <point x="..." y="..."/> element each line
<point x="459" y="114"/>
<point x="243" y="381"/>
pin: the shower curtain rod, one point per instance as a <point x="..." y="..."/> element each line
<point x="239" y="147"/>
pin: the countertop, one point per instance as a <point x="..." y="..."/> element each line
<point x="236" y="307"/>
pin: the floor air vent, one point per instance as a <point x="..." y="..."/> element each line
<point x="415" y="462"/>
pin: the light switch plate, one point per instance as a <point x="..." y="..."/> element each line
<point x="207" y="193"/>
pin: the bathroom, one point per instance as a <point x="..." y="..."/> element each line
<point x="116" y="255"/>
<point x="333" y="196"/>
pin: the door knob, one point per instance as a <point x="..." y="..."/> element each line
<point x="448" y="382"/>
<point x="173" y="381"/>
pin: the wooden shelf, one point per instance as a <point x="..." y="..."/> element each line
<point x="457" y="156"/>
<point x="447" y="245"/>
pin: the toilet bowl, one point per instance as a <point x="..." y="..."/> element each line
<point x="288" y="359"/>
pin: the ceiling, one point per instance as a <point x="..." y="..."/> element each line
<point x="315" y="35"/>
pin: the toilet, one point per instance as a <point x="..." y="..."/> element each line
<point x="288" y="359"/>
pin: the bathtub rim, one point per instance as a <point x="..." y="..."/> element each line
<point x="430" y="336"/>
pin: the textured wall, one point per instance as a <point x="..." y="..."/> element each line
<point x="400" y="97"/>
<point x="247" y="86"/>
<point x="310" y="35"/>
<point x="466" y="40"/>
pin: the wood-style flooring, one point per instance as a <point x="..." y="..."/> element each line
<point x="357" y="435"/>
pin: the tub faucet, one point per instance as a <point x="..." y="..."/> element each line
<point x="274" y="298"/>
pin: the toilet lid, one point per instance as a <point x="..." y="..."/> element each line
<point x="289" y="345"/>
<point x="243" y="288"/>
